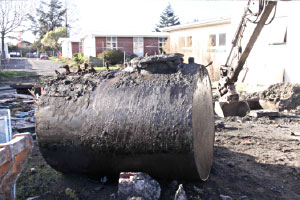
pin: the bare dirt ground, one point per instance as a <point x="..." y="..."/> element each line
<point x="255" y="158"/>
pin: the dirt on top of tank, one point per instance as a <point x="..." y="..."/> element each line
<point x="75" y="85"/>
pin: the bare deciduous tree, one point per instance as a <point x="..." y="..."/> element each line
<point x="12" y="16"/>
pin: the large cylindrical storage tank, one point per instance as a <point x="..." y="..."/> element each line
<point x="106" y="123"/>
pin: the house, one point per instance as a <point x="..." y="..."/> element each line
<point x="206" y="41"/>
<point x="70" y="46"/>
<point x="92" y="44"/>
<point x="273" y="58"/>
<point x="130" y="43"/>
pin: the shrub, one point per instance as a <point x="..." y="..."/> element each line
<point x="112" y="56"/>
<point x="78" y="59"/>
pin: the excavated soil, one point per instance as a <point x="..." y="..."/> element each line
<point x="254" y="158"/>
<point x="285" y="95"/>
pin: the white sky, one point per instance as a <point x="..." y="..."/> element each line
<point x="140" y="15"/>
<point x="143" y="15"/>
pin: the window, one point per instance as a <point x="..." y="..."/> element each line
<point x="111" y="43"/>
<point x="217" y="40"/>
<point x="185" y="41"/>
<point x="189" y="41"/>
<point x="138" y="46"/>
<point x="161" y="44"/>
<point x="222" y="39"/>
<point x="212" y="40"/>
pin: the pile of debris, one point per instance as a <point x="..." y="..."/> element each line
<point x="21" y="108"/>
<point x="73" y="86"/>
<point x="158" y="64"/>
<point x="280" y="96"/>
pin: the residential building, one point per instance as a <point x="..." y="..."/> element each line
<point x="205" y="41"/>
<point x="70" y="46"/>
<point x="130" y="43"/>
<point x="272" y="59"/>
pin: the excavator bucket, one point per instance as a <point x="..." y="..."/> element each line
<point x="236" y="108"/>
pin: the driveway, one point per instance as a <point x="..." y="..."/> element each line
<point x="44" y="67"/>
<point x="33" y="65"/>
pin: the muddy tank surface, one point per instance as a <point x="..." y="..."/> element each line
<point x="104" y="123"/>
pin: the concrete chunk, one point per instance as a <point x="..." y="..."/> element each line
<point x="263" y="113"/>
<point x="138" y="185"/>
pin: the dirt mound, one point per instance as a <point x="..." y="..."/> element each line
<point x="286" y="96"/>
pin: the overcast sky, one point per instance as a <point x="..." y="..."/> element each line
<point x="144" y="14"/>
<point x="139" y="15"/>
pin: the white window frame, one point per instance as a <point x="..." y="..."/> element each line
<point x="185" y="40"/>
<point x="138" y="46"/>
<point x="80" y="47"/>
<point x="217" y="45"/>
<point x="110" y="41"/>
<point x="161" y="43"/>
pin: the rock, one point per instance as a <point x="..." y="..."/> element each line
<point x="138" y="184"/>
<point x="230" y="164"/>
<point x="32" y="170"/>
<point x="263" y="113"/>
<point x="113" y="196"/>
<point x="198" y="190"/>
<point x="225" y="197"/>
<point x="180" y="193"/>
<point x="33" y="198"/>
<point x="243" y="198"/>
<point x="104" y="180"/>
<point x="295" y="134"/>
<point x="98" y="188"/>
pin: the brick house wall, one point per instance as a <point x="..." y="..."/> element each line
<point x="75" y="47"/>
<point x="100" y="44"/>
<point x="150" y="46"/>
<point x="126" y="44"/>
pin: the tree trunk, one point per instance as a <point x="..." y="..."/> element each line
<point x="3" y="56"/>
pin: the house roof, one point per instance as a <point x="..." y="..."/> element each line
<point x="126" y="34"/>
<point x="202" y="23"/>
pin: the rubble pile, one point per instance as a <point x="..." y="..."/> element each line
<point x="168" y="63"/>
<point x="22" y="111"/>
<point x="285" y="96"/>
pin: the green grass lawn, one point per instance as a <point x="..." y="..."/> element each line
<point x="7" y="74"/>
<point x="100" y="69"/>
<point x="62" y="60"/>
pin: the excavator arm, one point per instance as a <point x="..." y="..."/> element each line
<point x="229" y="104"/>
<point x="230" y="71"/>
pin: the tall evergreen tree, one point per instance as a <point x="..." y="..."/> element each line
<point x="49" y="16"/>
<point x="167" y="18"/>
